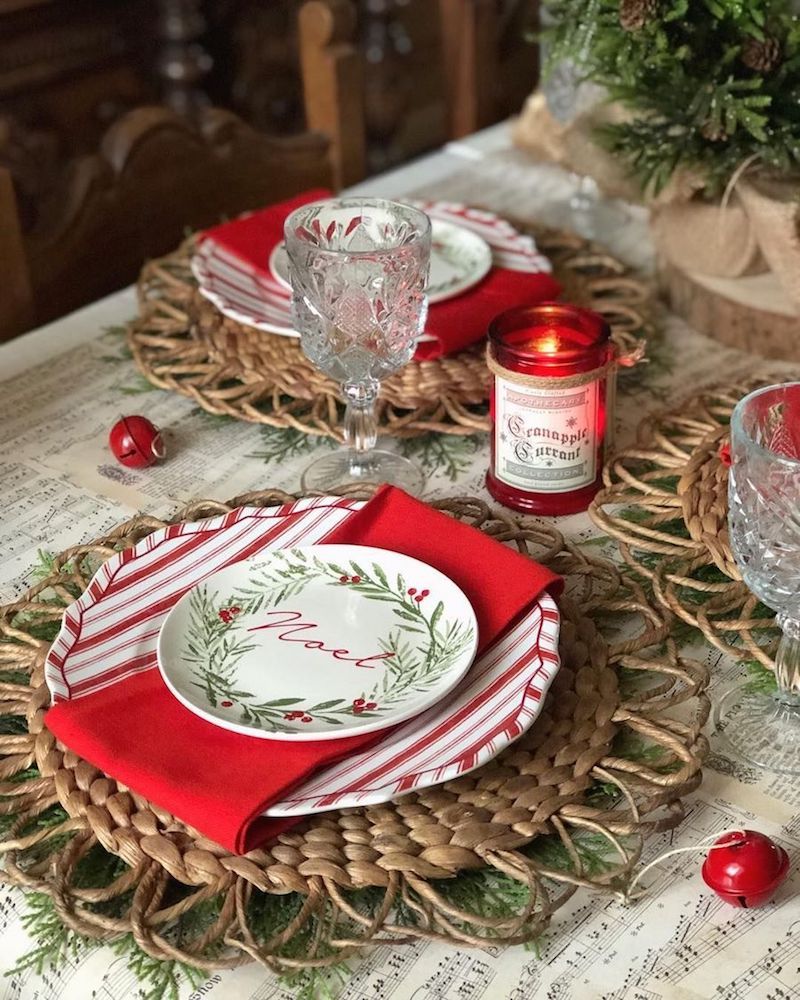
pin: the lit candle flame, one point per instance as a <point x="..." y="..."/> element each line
<point x="548" y="344"/>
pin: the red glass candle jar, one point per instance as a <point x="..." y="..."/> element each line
<point x="554" y="377"/>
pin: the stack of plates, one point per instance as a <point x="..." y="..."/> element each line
<point x="303" y="641"/>
<point x="466" y="244"/>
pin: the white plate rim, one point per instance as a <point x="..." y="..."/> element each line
<point x="223" y="304"/>
<point x="362" y="552"/>
<point x="243" y="318"/>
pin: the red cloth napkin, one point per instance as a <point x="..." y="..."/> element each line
<point x="464" y="320"/>
<point x="252" y="237"/>
<point x="456" y="323"/>
<point x="220" y="782"/>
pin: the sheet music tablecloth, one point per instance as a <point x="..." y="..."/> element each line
<point x="63" y="386"/>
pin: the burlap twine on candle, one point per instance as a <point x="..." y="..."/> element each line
<point x="621" y="359"/>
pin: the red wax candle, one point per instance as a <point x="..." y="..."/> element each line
<point x="553" y="385"/>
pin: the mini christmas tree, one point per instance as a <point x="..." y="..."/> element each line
<point x="709" y="84"/>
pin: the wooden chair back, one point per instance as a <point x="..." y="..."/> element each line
<point x="470" y="30"/>
<point x="155" y="177"/>
<point x="16" y="300"/>
<point x="333" y="84"/>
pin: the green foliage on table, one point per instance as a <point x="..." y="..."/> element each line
<point x="278" y="444"/>
<point x="710" y="84"/>
<point x="486" y="894"/>
<point x="447" y="454"/>
<point x="759" y="679"/>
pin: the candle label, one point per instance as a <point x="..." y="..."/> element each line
<point x="545" y="439"/>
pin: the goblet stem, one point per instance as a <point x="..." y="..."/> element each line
<point x="787" y="662"/>
<point x="360" y="424"/>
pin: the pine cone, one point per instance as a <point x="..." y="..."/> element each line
<point x="714" y="132"/>
<point x="635" y="14"/>
<point x="762" y="57"/>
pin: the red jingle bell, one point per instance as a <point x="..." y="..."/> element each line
<point x="747" y="870"/>
<point x="136" y="442"/>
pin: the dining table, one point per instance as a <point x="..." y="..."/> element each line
<point x="64" y="385"/>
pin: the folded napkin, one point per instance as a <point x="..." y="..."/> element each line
<point x="464" y="320"/>
<point x="456" y="323"/>
<point x="252" y="237"/>
<point x="220" y="782"/>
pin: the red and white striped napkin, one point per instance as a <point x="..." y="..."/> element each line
<point x="235" y="269"/>
<point x="116" y="712"/>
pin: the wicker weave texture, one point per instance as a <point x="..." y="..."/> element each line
<point x="539" y="786"/>
<point x="665" y="500"/>
<point x="181" y="342"/>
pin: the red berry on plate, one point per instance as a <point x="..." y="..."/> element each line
<point x="306" y="718"/>
<point x="424" y="593"/>
<point x="358" y="702"/>
<point x="226" y="703"/>
<point x="412" y="591"/>
<point x="372" y="704"/>
<point x="358" y="709"/>
<point x="136" y="442"/>
<point x="355" y="579"/>
<point x="418" y="598"/>
<point x="343" y="579"/>
<point x="747" y="869"/>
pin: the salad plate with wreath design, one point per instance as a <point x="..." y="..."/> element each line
<point x="317" y="642"/>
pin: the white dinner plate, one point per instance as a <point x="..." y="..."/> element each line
<point x="318" y="642"/>
<point x="459" y="260"/>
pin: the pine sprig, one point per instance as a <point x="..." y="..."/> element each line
<point x="447" y="454"/>
<point x="282" y="443"/>
<point x="56" y="944"/>
<point x="686" y="77"/>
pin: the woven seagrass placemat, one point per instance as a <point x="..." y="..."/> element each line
<point x="666" y="502"/>
<point x="182" y="342"/>
<point x="617" y="746"/>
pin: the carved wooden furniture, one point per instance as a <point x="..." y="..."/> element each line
<point x="333" y="83"/>
<point x="16" y="304"/>
<point x="155" y="176"/>
<point x="70" y="67"/>
<point x="469" y="51"/>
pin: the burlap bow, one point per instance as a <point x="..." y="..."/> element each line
<point x="756" y="229"/>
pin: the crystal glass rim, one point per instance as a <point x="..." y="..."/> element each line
<point x="423" y="223"/>
<point x="738" y="428"/>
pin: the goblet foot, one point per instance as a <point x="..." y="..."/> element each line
<point x="761" y="727"/>
<point x="346" y="467"/>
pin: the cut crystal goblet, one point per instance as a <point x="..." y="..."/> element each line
<point x="358" y="268"/>
<point x="764" y="521"/>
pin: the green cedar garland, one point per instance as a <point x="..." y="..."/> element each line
<point x="710" y="84"/>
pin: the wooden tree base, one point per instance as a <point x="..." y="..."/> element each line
<point x="752" y="313"/>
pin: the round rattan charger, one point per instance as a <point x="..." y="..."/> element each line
<point x="382" y="872"/>
<point x="182" y="342"/>
<point x="666" y="502"/>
